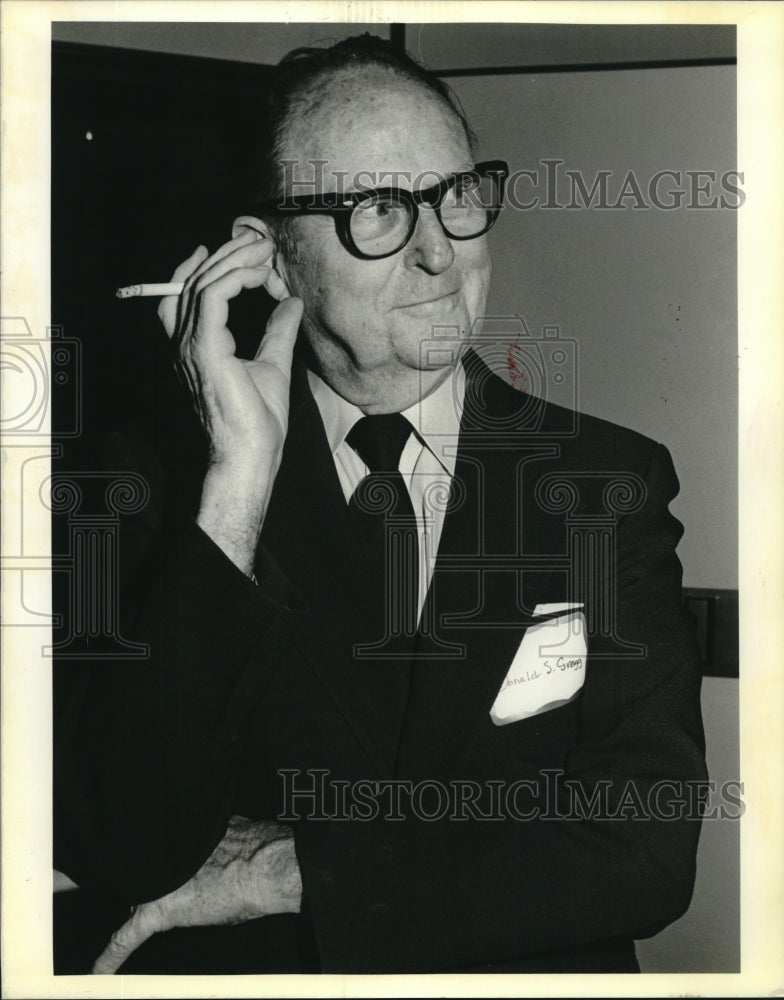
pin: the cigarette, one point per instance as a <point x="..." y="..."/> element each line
<point x="160" y="289"/>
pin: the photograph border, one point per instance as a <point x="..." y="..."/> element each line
<point x="26" y="675"/>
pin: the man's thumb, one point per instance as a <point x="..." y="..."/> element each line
<point x="277" y="344"/>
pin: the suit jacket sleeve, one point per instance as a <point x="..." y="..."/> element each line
<point x="144" y="749"/>
<point x="405" y="896"/>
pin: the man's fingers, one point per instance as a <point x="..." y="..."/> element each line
<point x="202" y="267"/>
<point x="123" y="944"/>
<point x="110" y="959"/>
<point x="247" y="249"/>
<point x="167" y="308"/>
<point x="242" y="252"/>
<point x="213" y="307"/>
<point x="201" y="270"/>
<point x="277" y="344"/>
<point x="276" y="287"/>
<point x="245" y="238"/>
<point x="204" y="298"/>
<point x="187" y="268"/>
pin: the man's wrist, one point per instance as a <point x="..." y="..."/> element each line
<point x="233" y="503"/>
<point x="284" y="876"/>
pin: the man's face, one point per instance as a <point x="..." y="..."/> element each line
<point x="365" y="320"/>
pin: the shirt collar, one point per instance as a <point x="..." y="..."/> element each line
<point x="436" y="418"/>
<point x="337" y="414"/>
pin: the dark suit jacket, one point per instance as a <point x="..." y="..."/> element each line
<point x="245" y="682"/>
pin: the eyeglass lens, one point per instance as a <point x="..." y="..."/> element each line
<point x="382" y="222"/>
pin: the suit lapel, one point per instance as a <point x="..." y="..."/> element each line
<point x="478" y="605"/>
<point x="308" y="532"/>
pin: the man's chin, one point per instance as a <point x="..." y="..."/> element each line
<point x="439" y="344"/>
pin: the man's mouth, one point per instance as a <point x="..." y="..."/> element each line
<point x="433" y="302"/>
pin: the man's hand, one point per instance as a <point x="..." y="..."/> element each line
<point x="253" y="872"/>
<point x="243" y="405"/>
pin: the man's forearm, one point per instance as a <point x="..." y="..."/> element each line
<point x="211" y="637"/>
<point x="233" y="503"/>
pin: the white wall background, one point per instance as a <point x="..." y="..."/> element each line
<point x="650" y="295"/>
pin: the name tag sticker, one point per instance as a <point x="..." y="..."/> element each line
<point x="547" y="671"/>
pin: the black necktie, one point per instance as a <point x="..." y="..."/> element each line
<point x="382" y="510"/>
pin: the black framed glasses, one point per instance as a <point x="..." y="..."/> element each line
<point x="374" y="223"/>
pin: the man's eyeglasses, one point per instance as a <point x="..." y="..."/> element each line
<point x="378" y="222"/>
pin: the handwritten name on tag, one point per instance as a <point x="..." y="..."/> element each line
<point x="548" y="669"/>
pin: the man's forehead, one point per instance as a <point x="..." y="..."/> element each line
<point x="373" y="122"/>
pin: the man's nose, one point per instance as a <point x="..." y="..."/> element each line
<point x="429" y="248"/>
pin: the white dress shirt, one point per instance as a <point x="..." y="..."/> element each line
<point x="426" y="465"/>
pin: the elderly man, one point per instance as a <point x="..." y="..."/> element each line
<point x="400" y="712"/>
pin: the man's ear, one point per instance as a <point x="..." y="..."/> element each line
<point x="243" y="222"/>
<point x="278" y="289"/>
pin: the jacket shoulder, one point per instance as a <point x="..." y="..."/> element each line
<point x="493" y="405"/>
<point x="598" y="436"/>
